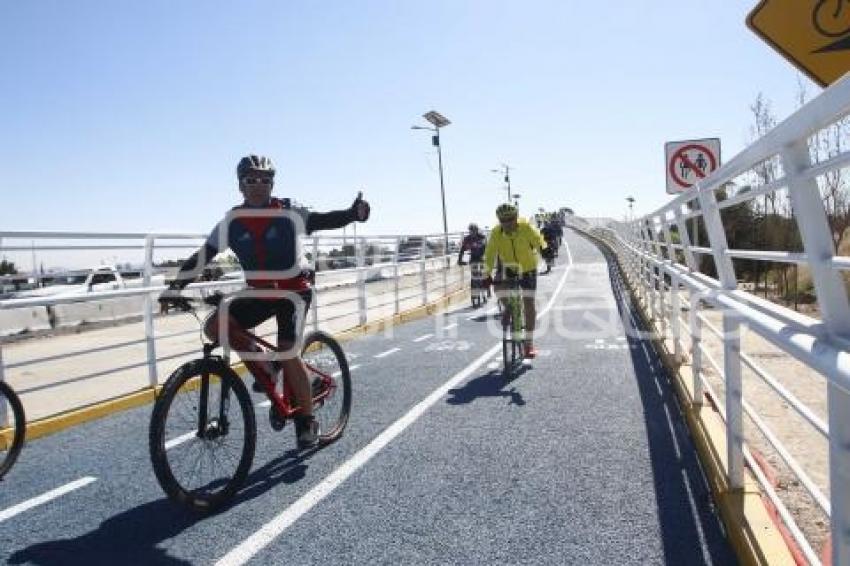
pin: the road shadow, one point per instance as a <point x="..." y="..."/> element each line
<point x="135" y="536"/>
<point x="490" y="384"/>
<point x="691" y="531"/>
<point x="130" y="537"/>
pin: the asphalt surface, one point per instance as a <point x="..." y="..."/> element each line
<point x="581" y="458"/>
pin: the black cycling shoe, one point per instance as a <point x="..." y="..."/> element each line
<point x="306" y="432"/>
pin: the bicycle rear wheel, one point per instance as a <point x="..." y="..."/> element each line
<point x="201" y="441"/>
<point x="326" y="362"/>
<point x="12" y="428"/>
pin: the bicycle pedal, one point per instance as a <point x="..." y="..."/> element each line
<point x="276" y="421"/>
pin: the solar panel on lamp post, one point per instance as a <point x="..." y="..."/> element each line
<point x="438" y="121"/>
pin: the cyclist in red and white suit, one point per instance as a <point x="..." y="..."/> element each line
<point x="263" y="232"/>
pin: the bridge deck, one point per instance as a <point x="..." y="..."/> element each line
<point x="580" y="459"/>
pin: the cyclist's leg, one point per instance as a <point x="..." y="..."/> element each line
<point x="500" y="287"/>
<point x="243" y="313"/>
<point x="528" y="283"/>
<point x="289" y="330"/>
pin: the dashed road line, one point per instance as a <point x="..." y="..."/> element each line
<point x="423" y="337"/>
<point x="450" y="326"/>
<point x="45" y="497"/>
<point x="387" y="353"/>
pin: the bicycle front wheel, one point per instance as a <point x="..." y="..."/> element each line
<point x="12" y="427"/>
<point x="202" y="435"/>
<point x="327" y="366"/>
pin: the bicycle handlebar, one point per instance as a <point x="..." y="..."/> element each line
<point x="187" y="304"/>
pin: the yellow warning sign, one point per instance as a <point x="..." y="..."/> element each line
<point x="813" y="34"/>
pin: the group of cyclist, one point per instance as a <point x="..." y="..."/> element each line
<point x="263" y="233"/>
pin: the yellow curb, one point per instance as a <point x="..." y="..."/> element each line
<point x="753" y="534"/>
<point x="56" y="423"/>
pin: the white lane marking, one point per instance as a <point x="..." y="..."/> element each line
<point x="569" y="255"/>
<point x="387" y="353"/>
<point x="450" y="326"/>
<point x="423" y="337"/>
<point x="180" y="439"/>
<point x="44" y="498"/>
<point x="271" y="530"/>
<point x="249" y="548"/>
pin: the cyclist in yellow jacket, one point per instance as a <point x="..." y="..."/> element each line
<point x="516" y="244"/>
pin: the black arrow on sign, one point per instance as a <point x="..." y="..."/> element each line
<point x="842" y="44"/>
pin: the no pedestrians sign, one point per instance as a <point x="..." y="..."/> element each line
<point x="688" y="162"/>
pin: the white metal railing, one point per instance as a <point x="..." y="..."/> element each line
<point x="356" y="276"/>
<point x="665" y="269"/>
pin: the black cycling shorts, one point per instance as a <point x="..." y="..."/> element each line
<point x="527" y="281"/>
<point x="250" y="312"/>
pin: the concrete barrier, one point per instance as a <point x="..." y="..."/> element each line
<point x="18" y="321"/>
<point x="74" y="314"/>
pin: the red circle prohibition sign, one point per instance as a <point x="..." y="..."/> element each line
<point x="681" y="154"/>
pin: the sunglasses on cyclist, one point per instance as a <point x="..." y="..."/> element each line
<point x="254" y="181"/>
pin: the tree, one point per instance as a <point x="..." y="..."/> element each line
<point x="7" y="267"/>
<point x="824" y="145"/>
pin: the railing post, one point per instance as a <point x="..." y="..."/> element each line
<point x="696" y="345"/>
<point x="734" y="399"/>
<point x="315" y="306"/>
<point x="731" y="340"/>
<point x="395" y="275"/>
<point x="361" y="278"/>
<point x="4" y="405"/>
<point x="835" y="311"/>
<point x="685" y="240"/>
<point x="422" y="275"/>
<point x="717" y="239"/>
<point x="150" y="338"/>
<point x="674" y="318"/>
<point x="446" y="263"/>
<point x="653" y="270"/>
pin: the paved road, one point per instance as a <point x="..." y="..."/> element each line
<point x="581" y="459"/>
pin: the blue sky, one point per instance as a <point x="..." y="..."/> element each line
<point x="130" y="116"/>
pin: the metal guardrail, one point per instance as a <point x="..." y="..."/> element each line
<point x="665" y="271"/>
<point x="383" y="272"/>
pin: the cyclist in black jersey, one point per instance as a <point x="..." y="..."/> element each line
<point x="263" y="232"/>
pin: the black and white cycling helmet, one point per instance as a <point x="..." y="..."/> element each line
<point x="254" y="165"/>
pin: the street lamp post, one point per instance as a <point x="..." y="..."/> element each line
<point x="438" y="121"/>
<point x="631" y="202"/>
<point x="506" y="169"/>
